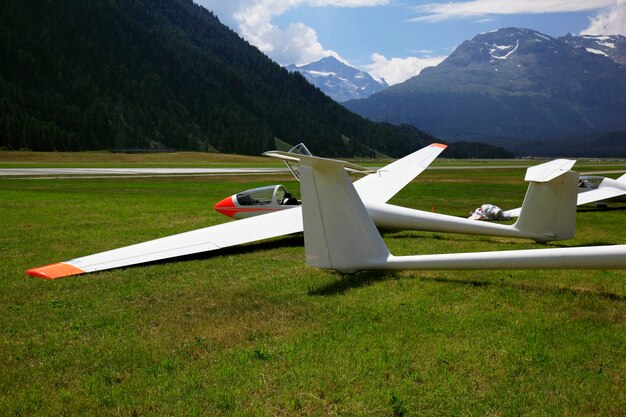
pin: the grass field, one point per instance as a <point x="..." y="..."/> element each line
<point x="254" y="331"/>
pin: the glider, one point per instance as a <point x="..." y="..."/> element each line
<point x="548" y="213"/>
<point x="380" y="186"/>
<point x="332" y="227"/>
<point x="608" y="189"/>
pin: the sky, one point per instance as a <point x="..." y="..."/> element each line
<point x="396" y="39"/>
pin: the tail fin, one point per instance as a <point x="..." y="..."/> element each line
<point x="326" y="228"/>
<point x="340" y="234"/>
<point x="549" y="208"/>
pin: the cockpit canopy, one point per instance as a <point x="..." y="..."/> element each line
<point x="589" y="182"/>
<point x="271" y="194"/>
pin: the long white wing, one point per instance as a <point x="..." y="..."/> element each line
<point x="266" y="226"/>
<point x="196" y="241"/>
<point x="388" y="181"/>
<point x="608" y="188"/>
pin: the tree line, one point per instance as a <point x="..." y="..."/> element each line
<point x="77" y="75"/>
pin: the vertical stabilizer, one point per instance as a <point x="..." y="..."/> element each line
<point x="338" y="232"/>
<point x="549" y="208"/>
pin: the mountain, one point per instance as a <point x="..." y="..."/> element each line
<point x="509" y="84"/>
<point x="79" y="75"/>
<point x="339" y="81"/>
<point x="611" y="46"/>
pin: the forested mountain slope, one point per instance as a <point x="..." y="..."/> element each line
<point x="78" y="75"/>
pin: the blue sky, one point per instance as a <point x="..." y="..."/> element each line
<point x="396" y="39"/>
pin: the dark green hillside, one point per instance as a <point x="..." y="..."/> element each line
<point x="83" y="75"/>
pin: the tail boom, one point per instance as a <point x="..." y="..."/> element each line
<point x="339" y="234"/>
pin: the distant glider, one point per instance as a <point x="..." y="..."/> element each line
<point x="607" y="191"/>
<point x="339" y="234"/>
<point x="599" y="190"/>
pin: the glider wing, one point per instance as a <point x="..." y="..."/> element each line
<point x="388" y="181"/>
<point x="241" y="231"/>
<point x="188" y="243"/>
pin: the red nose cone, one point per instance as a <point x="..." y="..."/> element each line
<point x="226" y="207"/>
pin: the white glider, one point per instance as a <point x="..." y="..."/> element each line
<point x="608" y="189"/>
<point x="549" y="206"/>
<point x="341" y="235"/>
<point x="548" y="213"/>
<point x="379" y="186"/>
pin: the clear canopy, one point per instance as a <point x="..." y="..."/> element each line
<point x="589" y="182"/>
<point x="272" y="194"/>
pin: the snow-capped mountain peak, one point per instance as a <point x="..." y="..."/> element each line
<point x="339" y="81"/>
<point x="512" y="83"/>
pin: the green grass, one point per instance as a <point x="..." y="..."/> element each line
<point x="254" y="331"/>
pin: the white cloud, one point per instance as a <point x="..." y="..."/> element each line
<point x="347" y="3"/>
<point x="397" y="70"/>
<point x="436" y="12"/>
<point x="610" y="21"/>
<point x="298" y="43"/>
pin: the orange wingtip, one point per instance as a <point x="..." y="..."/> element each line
<point x="439" y="145"/>
<point x="54" y="271"/>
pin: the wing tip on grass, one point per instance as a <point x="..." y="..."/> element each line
<point x="53" y="271"/>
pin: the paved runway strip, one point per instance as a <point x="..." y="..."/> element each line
<point x="115" y="172"/>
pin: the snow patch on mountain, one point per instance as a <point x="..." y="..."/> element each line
<point x="596" y="51"/>
<point x="507" y="49"/>
<point x="611" y="46"/>
<point x="542" y="36"/>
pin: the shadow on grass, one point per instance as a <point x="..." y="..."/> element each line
<point x="346" y="282"/>
<point x="296" y="240"/>
<point x="530" y="288"/>
<point x="600" y="209"/>
<point x="350" y="281"/>
<point x="558" y="244"/>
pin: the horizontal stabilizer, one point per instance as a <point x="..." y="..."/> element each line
<point x="549" y="170"/>
<point x="288" y="156"/>
<point x="539" y="174"/>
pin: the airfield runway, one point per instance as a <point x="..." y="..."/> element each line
<point x="152" y="172"/>
<point x="139" y="172"/>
